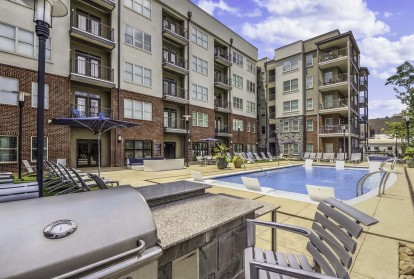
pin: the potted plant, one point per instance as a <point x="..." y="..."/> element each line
<point x="238" y="161"/>
<point x="220" y="155"/>
<point x="409" y="157"/>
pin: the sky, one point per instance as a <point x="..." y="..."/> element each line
<point x="383" y="30"/>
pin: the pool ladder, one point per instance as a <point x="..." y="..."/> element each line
<point x="247" y="160"/>
<point x="383" y="182"/>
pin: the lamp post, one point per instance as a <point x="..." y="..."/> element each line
<point x="21" y="105"/>
<point x="343" y="128"/>
<point x="407" y="125"/>
<point x="187" y="140"/>
<point x="238" y="137"/>
<point x="44" y="10"/>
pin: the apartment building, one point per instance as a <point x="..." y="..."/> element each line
<point x="150" y="62"/>
<point x="316" y="95"/>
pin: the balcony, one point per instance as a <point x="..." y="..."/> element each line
<point x="222" y="105"/>
<point x="174" y="125"/>
<point x="91" y="30"/>
<point x="92" y="73"/>
<point x="336" y="131"/>
<point x="174" y="63"/>
<point x="175" y="31"/>
<point x="222" y="81"/>
<point x="336" y="82"/>
<point x="333" y="58"/>
<point x="334" y="106"/>
<point x="78" y="110"/>
<point x="106" y="4"/>
<point x="175" y="94"/>
<point x="363" y="119"/>
<point x="222" y="57"/>
<point x="363" y="101"/>
<point x="223" y="131"/>
<point x="363" y="84"/>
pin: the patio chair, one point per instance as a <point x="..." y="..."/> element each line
<point x="201" y="160"/>
<point x="318" y="156"/>
<point x="257" y="156"/>
<point x="250" y="157"/>
<point x="301" y="156"/>
<point x="99" y="182"/>
<point x="197" y="176"/>
<point x="340" y="165"/>
<point x="264" y="156"/>
<point x="76" y="113"/>
<point x="229" y="156"/>
<point x="306" y="155"/>
<point x="332" y="241"/>
<point x="319" y="193"/>
<point x="244" y="155"/>
<point x="355" y="157"/>
<point x="312" y="156"/>
<point x="270" y="156"/>
<point x="30" y="169"/>
<point x="253" y="184"/>
<point x="61" y="162"/>
<point x="340" y="156"/>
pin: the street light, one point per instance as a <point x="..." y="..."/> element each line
<point x="238" y="138"/>
<point x="44" y="10"/>
<point x="187" y="140"/>
<point x="407" y="125"/>
<point x="343" y="128"/>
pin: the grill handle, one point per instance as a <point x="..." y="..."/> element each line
<point x="124" y="264"/>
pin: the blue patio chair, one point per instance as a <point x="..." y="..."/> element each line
<point x="76" y="113"/>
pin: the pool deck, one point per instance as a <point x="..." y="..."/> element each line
<point x="377" y="252"/>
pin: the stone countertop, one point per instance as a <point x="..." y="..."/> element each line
<point x="166" y="190"/>
<point x="182" y="220"/>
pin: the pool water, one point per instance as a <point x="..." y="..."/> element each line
<point x="294" y="179"/>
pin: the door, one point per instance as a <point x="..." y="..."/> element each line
<point x="87" y="153"/>
<point x="329" y="124"/>
<point x="170" y="57"/>
<point x="81" y="106"/>
<point x="329" y="101"/>
<point x="219" y="125"/>
<point x="87" y="106"/>
<point x="169" y="150"/>
<point x="170" y="87"/>
<point x="94" y="67"/>
<point x="328" y="77"/>
<point x="87" y="64"/>
<point x="170" y="118"/>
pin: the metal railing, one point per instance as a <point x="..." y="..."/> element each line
<point x="175" y="27"/>
<point x="222" y="104"/>
<point x="92" y="26"/>
<point x="333" y="129"/>
<point x="339" y="103"/>
<point x="174" y="91"/>
<point x="331" y="55"/>
<point x="363" y="117"/>
<point x="223" y="129"/>
<point x="174" y="123"/>
<point x="89" y="111"/>
<point x="220" y="78"/>
<point x="335" y="79"/>
<point x="272" y="78"/>
<point x="174" y="59"/>
<point x="86" y="68"/>
<point x="363" y="99"/>
<point x="219" y="52"/>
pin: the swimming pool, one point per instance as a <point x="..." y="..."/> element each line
<point x="294" y="179"/>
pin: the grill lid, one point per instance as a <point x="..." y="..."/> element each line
<point x="46" y="237"/>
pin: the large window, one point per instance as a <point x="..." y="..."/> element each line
<point x="199" y="37"/>
<point x="309" y="147"/>
<point x="238" y="59"/>
<point x="200" y="93"/>
<point x="291" y="106"/>
<point x="251" y="107"/>
<point x="200" y="119"/>
<point x="309" y="125"/>
<point x="251" y="66"/>
<point x="199" y="65"/>
<point x="35" y="95"/>
<point x="137" y="38"/>
<point x="137" y="110"/>
<point x="309" y="60"/>
<point x="142" y="7"/>
<point x="295" y="126"/>
<point x="237" y="103"/>
<point x="328" y="148"/>
<point x="7" y="86"/>
<point x="237" y="125"/>
<point x="309" y="82"/>
<point x="200" y="149"/>
<point x="286" y="127"/>
<point x="238" y="81"/>
<point x="290" y="65"/>
<point x="137" y="74"/>
<point x="290" y="85"/>
<point x="295" y="149"/>
<point x="8" y="149"/>
<point x="138" y="149"/>
<point x="251" y="87"/>
<point x="309" y="104"/>
<point x="34" y="149"/>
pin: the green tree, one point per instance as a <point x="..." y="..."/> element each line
<point x="403" y="81"/>
<point x="396" y="130"/>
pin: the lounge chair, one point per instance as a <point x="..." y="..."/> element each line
<point x="30" y="169"/>
<point x="332" y="241"/>
<point x="312" y="156"/>
<point x="301" y="156"/>
<point x="264" y="156"/>
<point x="61" y="162"/>
<point x="319" y="193"/>
<point x="198" y="176"/>
<point x="201" y="160"/>
<point x="341" y="156"/>
<point x="243" y="154"/>
<point x="318" y="156"/>
<point x="308" y="163"/>
<point x="250" y="157"/>
<point x="257" y="157"/>
<point x="270" y="156"/>
<point x="340" y="165"/>
<point x="99" y="182"/>
<point x="253" y="184"/>
<point x="306" y="155"/>
<point x="355" y="157"/>
<point x="229" y="156"/>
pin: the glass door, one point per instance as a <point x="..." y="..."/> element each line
<point x="329" y="101"/>
<point x="87" y="155"/>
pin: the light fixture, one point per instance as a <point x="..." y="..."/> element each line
<point x="19" y="152"/>
<point x="119" y="138"/>
<point x="189" y="140"/>
<point x="44" y="10"/>
<point x="231" y="142"/>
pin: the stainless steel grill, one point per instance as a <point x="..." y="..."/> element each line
<point x="99" y="234"/>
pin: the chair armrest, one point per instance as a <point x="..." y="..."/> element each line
<point x="255" y="266"/>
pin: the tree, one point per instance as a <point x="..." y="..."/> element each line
<point x="395" y="130"/>
<point x="403" y="81"/>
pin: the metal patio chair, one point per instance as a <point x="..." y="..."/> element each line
<point x="332" y="241"/>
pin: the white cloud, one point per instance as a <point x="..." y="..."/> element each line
<point x="382" y="108"/>
<point x="255" y="13"/>
<point x="387" y="14"/>
<point x="211" y="6"/>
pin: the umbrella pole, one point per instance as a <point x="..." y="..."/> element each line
<point x="99" y="154"/>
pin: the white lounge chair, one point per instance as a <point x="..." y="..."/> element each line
<point x="319" y="193"/>
<point x="325" y="157"/>
<point x="270" y="156"/>
<point x="306" y="155"/>
<point x="30" y="169"/>
<point x="253" y="184"/>
<point x="341" y="156"/>
<point x="308" y="163"/>
<point x="355" y="157"/>
<point x="257" y="156"/>
<point x="198" y="176"/>
<point x="340" y="165"/>
<point x="318" y="156"/>
<point x="312" y="156"/>
<point x="264" y="156"/>
<point x="61" y="162"/>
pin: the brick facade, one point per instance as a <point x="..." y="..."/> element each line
<point x="311" y="137"/>
<point x="59" y="106"/>
<point x="244" y="137"/>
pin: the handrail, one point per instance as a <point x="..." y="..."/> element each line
<point x="361" y="181"/>
<point x="251" y="161"/>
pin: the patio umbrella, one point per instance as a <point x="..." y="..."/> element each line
<point x="209" y="140"/>
<point x="97" y="125"/>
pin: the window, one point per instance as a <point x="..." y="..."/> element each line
<point x="251" y="87"/>
<point x="200" y="119"/>
<point x="7" y="86"/>
<point x="17" y="40"/>
<point x="34" y="95"/>
<point x="199" y="37"/>
<point x="137" y="74"/>
<point x="290" y="106"/>
<point x="309" y="125"/>
<point x="200" y="93"/>
<point x="263" y="130"/>
<point x="137" y="110"/>
<point x="34" y="149"/>
<point x="137" y="38"/>
<point x="290" y="85"/>
<point x="286" y="127"/>
<point x="290" y="65"/>
<point x="309" y="147"/>
<point x="251" y="66"/>
<point x="238" y="81"/>
<point x="309" y="82"/>
<point x="248" y="126"/>
<point x="199" y="65"/>
<point x="251" y="107"/>
<point x="138" y="149"/>
<point x="8" y="149"/>
<point x="309" y="60"/>
<point x="295" y="149"/>
<point x="142" y="7"/>
<point x="237" y="124"/>
<point x="328" y="148"/>
<point x="309" y="104"/>
<point x="286" y="148"/>
<point x="200" y="149"/>
<point x="253" y="127"/>
<point x="295" y="126"/>
<point x="237" y="103"/>
<point x="263" y="111"/>
<point x="238" y="59"/>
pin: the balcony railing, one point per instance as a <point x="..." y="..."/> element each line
<point x="331" y="55"/>
<point x="175" y="60"/>
<point x="78" y="110"/>
<point x="174" y="91"/>
<point x="175" y="27"/>
<point x="337" y="129"/>
<point x="363" y="118"/>
<point x="272" y="115"/>
<point x="335" y="79"/>
<point x="86" y="68"/>
<point x="272" y="78"/>
<point x="222" y="79"/>
<point x="174" y="123"/>
<point x="224" y="104"/>
<point x="331" y="104"/>
<point x="219" y="52"/>
<point x="91" y="26"/>
<point x="223" y="129"/>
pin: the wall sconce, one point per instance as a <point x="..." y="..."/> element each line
<point x="119" y="138"/>
<point x="231" y="142"/>
<point x="189" y="140"/>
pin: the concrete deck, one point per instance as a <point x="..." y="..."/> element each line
<point x="377" y="252"/>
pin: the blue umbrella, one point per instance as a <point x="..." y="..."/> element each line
<point x="97" y="125"/>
